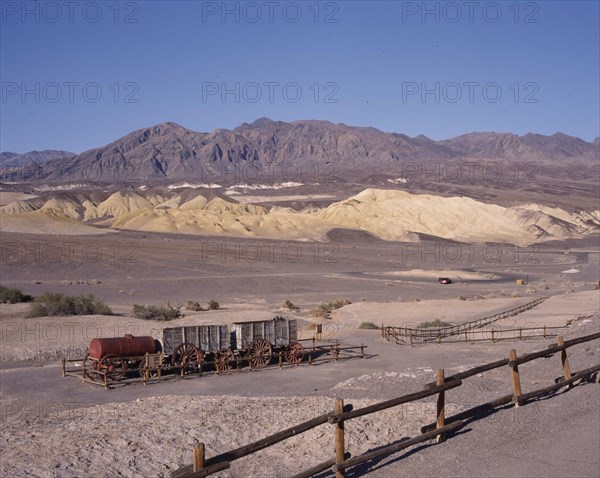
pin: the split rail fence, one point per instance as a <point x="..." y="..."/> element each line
<point x="440" y="429"/>
<point x="460" y="332"/>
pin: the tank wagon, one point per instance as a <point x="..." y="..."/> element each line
<point x="188" y="348"/>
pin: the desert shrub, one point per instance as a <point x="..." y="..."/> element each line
<point x="289" y="305"/>
<point x="324" y="307"/>
<point x="462" y="297"/>
<point x="193" y="305"/>
<point x="368" y="325"/>
<point x="156" y="312"/>
<point x="213" y="304"/>
<point x="13" y="296"/>
<point x="54" y="303"/>
<point x="433" y="324"/>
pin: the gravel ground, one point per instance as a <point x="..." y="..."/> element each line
<point x="151" y="436"/>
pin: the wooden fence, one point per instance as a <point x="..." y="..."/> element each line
<point x="477" y="335"/>
<point x="411" y="335"/>
<point x="441" y="428"/>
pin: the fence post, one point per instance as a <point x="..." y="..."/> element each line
<point x="362" y="350"/>
<point x="339" y="438"/>
<point x="63" y="367"/>
<point x="144" y="365"/>
<point x="199" y="456"/>
<point x="564" y="359"/>
<point x="441" y="410"/>
<point x="516" y="381"/>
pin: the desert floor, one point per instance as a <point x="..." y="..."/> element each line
<point x="61" y="427"/>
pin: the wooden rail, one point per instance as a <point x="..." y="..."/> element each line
<point x="484" y="335"/>
<point x="411" y="335"/>
<point x="442" y="428"/>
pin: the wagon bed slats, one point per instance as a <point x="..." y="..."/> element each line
<point x="207" y="338"/>
<point x="279" y="332"/>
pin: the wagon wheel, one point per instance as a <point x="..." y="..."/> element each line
<point x="188" y="355"/>
<point x="152" y="372"/>
<point x="224" y="360"/>
<point x="294" y="353"/>
<point x="113" y="366"/>
<point x="260" y="353"/>
<point x="90" y="366"/>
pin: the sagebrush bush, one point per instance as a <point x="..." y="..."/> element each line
<point x="213" y="304"/>
<point x="193" y="305"/>
<point x="368" y="325"/>
<point x="13" y="296"/>
<point x="324" y="307"/>
<point x="433" y="324"/>
<point x="162" y="312"/>
<point x="54" y="303"/>
<point x="289" y="305"/>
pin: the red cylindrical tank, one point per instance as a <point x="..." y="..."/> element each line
<point x="128" y="346"/>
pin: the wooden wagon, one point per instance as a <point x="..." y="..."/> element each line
<point x="191" y="345"/>
<point x="259" y="340"/>
<point x="186" y="349"/>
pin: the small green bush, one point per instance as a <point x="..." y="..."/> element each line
<point x="162" y="312"/>
<point x="213" y="304"/>
<point x="289" y="305"/>
<point x="193" y="305"/>
<point x="368" y="325"/>
<point x="462" y="297"/>
<point x="13" y="296"/>
<point x="437" y="323"/>
<point x="54" y="303"/>
<point x="325" y="307"/>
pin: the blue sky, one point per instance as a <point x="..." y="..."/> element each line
<point x="78" y="77"/>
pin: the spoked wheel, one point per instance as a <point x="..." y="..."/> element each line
<point x="90" y="366"/>
<point x="224" y="360"/>
<point x="113" y="366"/>
<point x="294" y="353"/>
<point x="260" y="353"/>
<point x="152" y="372"/>
<point x="188" y="356"/>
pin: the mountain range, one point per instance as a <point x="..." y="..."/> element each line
<point x="168" y="151"/>
<point x="9" y="159"/>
